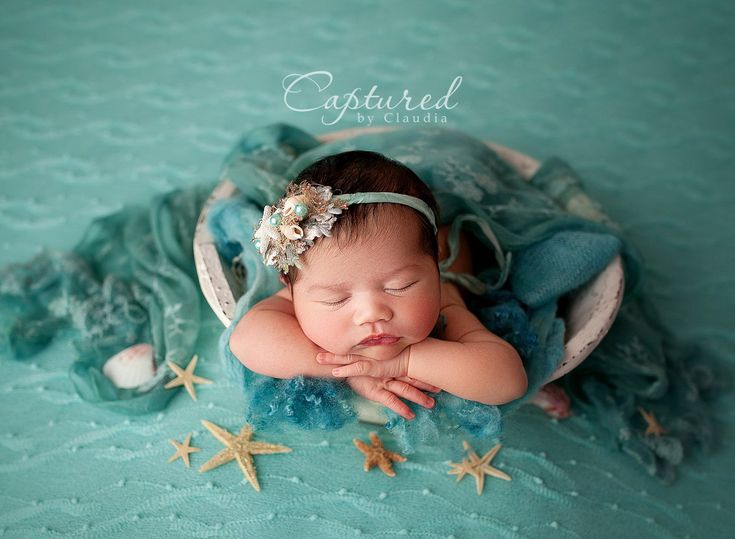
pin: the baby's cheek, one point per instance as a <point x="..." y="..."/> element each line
<point x="315" y="328"/>
<point x="425" y="317"/>
<point x="320" y="335"/>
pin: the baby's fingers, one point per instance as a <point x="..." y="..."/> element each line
<point x="359" y="368"/>
<point x="334" y="359"/>
<point x="390" y="400"/>
<point x="407" y="391"/>
<point x="420" y="385"/>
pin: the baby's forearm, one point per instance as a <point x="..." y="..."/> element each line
<point x="272" y="343"/>
<point x="486" y="372"/>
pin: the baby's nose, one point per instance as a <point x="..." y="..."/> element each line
<point x="372" y="310"/>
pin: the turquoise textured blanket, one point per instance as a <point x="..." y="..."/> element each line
<point x="108" y="105"/>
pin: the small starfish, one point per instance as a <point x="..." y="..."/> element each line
<point x="186" y="377"/>
<point x="653" y="425"/>
<point x="183" y="450"/>
<point x="478" y="467"/>
<point x="377" y="455"/>
<point x="241" y="448"/>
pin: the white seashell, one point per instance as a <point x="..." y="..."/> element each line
<point x="292" y="232"/>
<point x="131" y="367"/>
<point x="290" y="204"/>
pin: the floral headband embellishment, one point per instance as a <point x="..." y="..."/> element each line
<point x="307" y="212"/>
<point x="288" y="229"/>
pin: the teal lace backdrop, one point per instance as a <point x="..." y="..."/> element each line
<point x="106" y="106"/>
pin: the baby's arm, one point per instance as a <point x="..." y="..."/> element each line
<point x="269" y="340"/>
<point x="472" y="363"/>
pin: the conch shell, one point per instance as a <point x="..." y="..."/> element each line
<point x="131" y="367"/>
<point x="292" y="232"/>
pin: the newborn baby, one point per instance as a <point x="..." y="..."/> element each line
<point x="357" y="248"/>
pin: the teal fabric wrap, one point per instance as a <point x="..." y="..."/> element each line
<point x="131" y="279"/>
<point x="578" y="256"/>
<point x="538" y="240"/>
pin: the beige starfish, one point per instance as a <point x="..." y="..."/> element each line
<point x="376" y="454"/>
<point x="478" y="467"/>
<point x="186" y="377"/>
<point x="241" y="448"/>
<point x="183" y="450"/>
<point x="653" y="425"/>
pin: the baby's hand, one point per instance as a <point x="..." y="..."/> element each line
<point x="373" y="367"/>
<point x="386" y="391"/>
<point x="357" y="365"/>
<point x="381" y="381"/>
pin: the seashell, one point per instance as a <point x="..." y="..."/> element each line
<point x="131" y="367"/>
<point x="292" y="232"/>
<point x="553" y="400"/>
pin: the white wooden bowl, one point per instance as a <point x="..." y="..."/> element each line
<point x="590" y="309"/>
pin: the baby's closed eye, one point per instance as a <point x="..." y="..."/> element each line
<point x="389" y="290"/>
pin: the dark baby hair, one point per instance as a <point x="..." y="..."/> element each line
<point x="360" y="171"/>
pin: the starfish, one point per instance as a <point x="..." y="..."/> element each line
<point x="478" y="467"/>
<point x="183" y="450"/>
<point x="186" y="377"/>
<point x="653" y="425"/>
<point x="376" y="454"/>
<point x="241" y="448"/>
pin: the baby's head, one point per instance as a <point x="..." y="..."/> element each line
<point x="378" y="271"/>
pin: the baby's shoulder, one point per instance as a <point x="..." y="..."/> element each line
<point x="461" y="325"/>
<point x="280" y="301"/>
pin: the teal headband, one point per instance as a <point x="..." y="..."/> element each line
<point x="396" y="198"/>
<point x="308" y="212"/>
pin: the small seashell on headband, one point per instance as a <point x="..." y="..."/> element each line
<point x="307" y="212"/>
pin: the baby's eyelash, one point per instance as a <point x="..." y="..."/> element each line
<point x="402" y="289"/>
<point x="335" y="303"/>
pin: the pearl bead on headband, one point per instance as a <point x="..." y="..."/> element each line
<point x="307" y="212"/>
